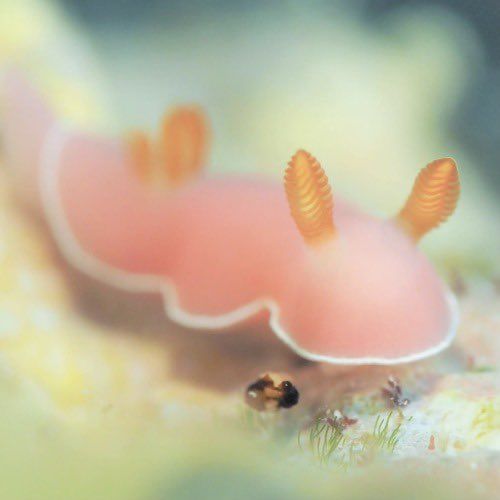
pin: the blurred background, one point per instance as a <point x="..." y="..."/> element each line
<point x="375" y="89"/>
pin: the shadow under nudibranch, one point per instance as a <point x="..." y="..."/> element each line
<point x="227" y="362"/>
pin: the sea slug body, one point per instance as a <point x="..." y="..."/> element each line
<point x="340" y="285"/>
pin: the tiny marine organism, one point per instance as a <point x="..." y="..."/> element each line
<point x="394" y="393"/>
<point x="432" y="443"/>
<point x="337" y="419"/>
<point x="271" y="391"/>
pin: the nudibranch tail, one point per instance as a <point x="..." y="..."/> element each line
<point x="184" y="143"/>
<point x="433" y="198"/>
<point x="310" y="198"/>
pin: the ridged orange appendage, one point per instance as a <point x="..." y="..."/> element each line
<point x="310" y="198"/>
<point x="433" y="198"/>
<point x="184" y="143"/>
<point x="178" y="154"/>
<point x="140" y="150"/>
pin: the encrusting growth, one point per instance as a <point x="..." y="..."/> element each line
<point x="310" y="198"/>
<point x="178" y="154"/>
<point x="433" y="198"/>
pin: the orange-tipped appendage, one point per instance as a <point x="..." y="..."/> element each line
<point x="433" y="198"/>
<point x="310" y="198"/>
<point x="184" y="141"/>
<point x="180" y="152"/>
<point x="140" y="151"/>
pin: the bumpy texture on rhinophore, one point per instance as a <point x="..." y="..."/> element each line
<point x="309" y="197"/>
<point x="433" y="198"/>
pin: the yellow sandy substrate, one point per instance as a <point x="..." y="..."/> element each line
<point x="74" y="365"/>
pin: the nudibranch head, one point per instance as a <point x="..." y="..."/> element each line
<point x="363" y="292"/>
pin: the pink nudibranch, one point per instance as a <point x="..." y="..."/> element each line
<point x="339" y="285"/>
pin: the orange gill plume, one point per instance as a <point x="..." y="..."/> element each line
<point x="183" y="143"/>
<point x="180" y="152"/>
<point x="140" y="151"/>
<point x="433" y="198"/>
<point x="310" y="198"/>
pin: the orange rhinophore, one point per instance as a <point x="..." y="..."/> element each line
<point x="183" y="143"/>
<point x="309" y="197"/>
<point x="180" y="152"/>
<point x="433" y="198"/>
<point x="223" y="249"/>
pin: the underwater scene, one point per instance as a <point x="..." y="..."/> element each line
<point x="249" y="249"/>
